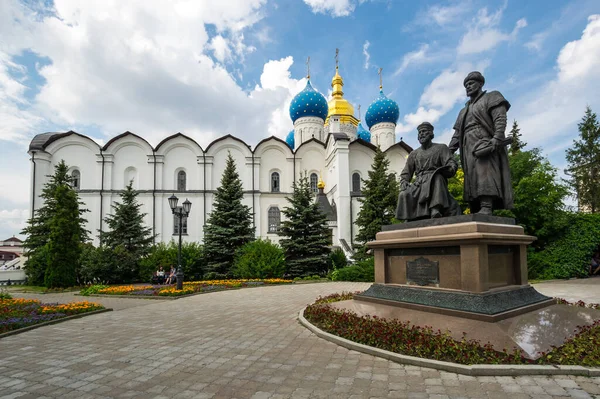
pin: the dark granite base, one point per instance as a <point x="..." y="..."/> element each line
<point x="488" y="304"/>
<point x="449" y="220"/>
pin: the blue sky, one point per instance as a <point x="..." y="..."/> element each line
<point x="209" y="68"/>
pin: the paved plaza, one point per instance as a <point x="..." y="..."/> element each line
<point x="238" y="344"/>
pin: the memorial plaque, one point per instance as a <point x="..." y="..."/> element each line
<point x="422" y="271"/>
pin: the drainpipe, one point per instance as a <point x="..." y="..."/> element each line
<point x="253" y="206"/>
<point x="204" y="195"/>
<point x="154" y="200"/>
<point x="101" y="192"/>
<point x="33" y="188"/>
<point x="351" y="225"/>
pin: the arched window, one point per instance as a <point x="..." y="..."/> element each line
<point x="181" y="179"/>
<point x="274" y="219"/>
<point x="131" y="176"/>
<point x="76" y="179"/>
<point x="314" y="180"/>
<point x="275" y="182"/>
<point x="176" y="222"/>
<point x="356" y="182"/>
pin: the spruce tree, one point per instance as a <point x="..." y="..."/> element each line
<point x="380" y="196"/>
<point x="307" y="237"/>
<point x="126" y="226"/>
<point x="229" y="226"/>
<point x="55" y="232"/>
<point x="517" y="143"/>
<point x="584" y="163"/>
<point x="127" y="235"/>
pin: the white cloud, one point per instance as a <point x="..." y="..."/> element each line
<point x="484" y="35"/>
<point x="536" y="41"/>
<point x="366" y="53"/>
<point x="443" y="15"/>
<point x="12" y="221"/>
<point x="440" y="96"/>
<point x="413" y="57"/>
<point x="553" y="111"/>
<point x="336" y="8"/>
<point x="145" y="66"/>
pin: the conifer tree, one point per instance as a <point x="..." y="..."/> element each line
<point x="517" y="143"/>
<point x="584" y="163"/>
<point x="126" y="226"/>
<point x="307" y="237"/>
<point x="229" y="226"/>
<point x="380" y="196"/>
<point x="55" y="232"/>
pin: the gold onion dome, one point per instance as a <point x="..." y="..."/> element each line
<point x="321" y="184"/>
<point x="338" y="105"/>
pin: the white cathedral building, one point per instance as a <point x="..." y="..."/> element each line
<point x="328" y="143"/>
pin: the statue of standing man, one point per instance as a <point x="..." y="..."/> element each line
<point x="479" y="134"/>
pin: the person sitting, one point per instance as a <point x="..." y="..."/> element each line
<point x="432" y="164"/>
<point x="172" y="277"/>
<point x="595" y="263"/>
<point x="160" y="274"/>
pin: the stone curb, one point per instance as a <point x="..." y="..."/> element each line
<point x="47" y="323"/>
<point x="472" y="370"/>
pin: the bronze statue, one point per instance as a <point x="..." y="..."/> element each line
<point x="432" y="165"/>
<point x="479" y="134"/>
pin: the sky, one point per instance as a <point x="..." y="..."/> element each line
<point x="210" y="68"/>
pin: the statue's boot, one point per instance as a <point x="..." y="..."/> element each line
<point x="486" y="206"/>
<point x="435" y="212"/>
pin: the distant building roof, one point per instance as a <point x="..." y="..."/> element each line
<point x="13" y="238"/>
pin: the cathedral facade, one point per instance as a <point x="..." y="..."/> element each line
<point x="328" y="143"/>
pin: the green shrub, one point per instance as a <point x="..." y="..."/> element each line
<point x="570" y="254"/>
<point x="4" y="294"/>
<point x="92" y="289"/>
<point x="361" y="271"/>
<point x="96" y="265"/>
<point x="259" y="259"/>
<point x="35" y="266"/>
<point x="214" y="276"/>
<point x="338" y="259"/>
<point x="165" y="255"/>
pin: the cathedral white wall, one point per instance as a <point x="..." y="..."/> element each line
<point x="131" y="162"/>
<point x="181" y="153"/>
<point x="310" y="158"/>
<point x="177" y="158"/>
<point x="78" y="153"/>
<point x="397" y="156"/>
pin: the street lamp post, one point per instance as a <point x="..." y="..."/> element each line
<point x="181" y="212"/>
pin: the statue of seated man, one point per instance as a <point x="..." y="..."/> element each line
<point x="427" y="196"/>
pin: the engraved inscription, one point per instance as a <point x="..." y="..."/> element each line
<point x="422" y="271"/>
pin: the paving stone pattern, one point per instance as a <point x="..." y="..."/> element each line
<point x="236" y="344"/>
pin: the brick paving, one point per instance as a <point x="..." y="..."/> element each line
<point x="235" y="344"/>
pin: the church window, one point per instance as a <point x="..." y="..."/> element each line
<point x="76" y="179"/>
<point x="176" y="222"/>
<point x="275" y="182"/>
<point x="181" y="180"/>
<point x="274" y="219"/>
<point x="356" y="182"/>
<point x="314" y="180"/>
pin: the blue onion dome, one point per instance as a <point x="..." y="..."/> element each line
<point x="363" y="133"/>
<point x="308" y="102"/>
<point x="382" y="110"/>
<point x="290" y="139"/>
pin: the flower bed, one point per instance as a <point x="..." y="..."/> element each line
<point x="189" y="287"/>
<point x="402" y="337"/>
<point x="19" y="313"/>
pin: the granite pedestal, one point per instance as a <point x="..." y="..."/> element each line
<point x="471" y="266"/>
